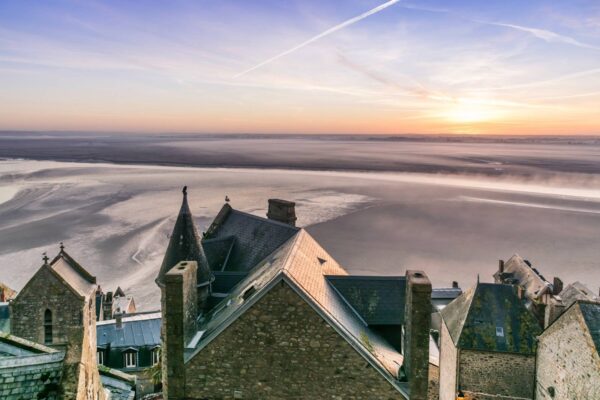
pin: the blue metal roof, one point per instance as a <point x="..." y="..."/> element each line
<point x="136" y="331"/>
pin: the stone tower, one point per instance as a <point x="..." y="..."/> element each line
<point x="57" y="308"/>
<point x="185" y="245"/>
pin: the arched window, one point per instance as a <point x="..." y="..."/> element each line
<point x="48" y="327"/>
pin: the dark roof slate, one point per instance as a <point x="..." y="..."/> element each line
<point x="491" y="317"/>
<point x="137" y="331"/>
<point x="226" y="281"/>
<point x="4" y="318"/>
<point x="255" y="237"/>
<point x="591" y="316"/>
<point x="378" y="300"/>
<point x="184" y="245"/>
<point x="217" y="251"/>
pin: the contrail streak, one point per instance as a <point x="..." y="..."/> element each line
<point x="321" y="35"/>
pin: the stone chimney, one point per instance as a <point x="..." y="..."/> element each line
<point x="118" y="319"/>
<point x="416" y="333"/>
<point x="557" y="286"/>
<point x="282" y="211"/>
<point x="179" y="314"/>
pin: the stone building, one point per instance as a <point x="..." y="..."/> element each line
<point x="110" y="303"/>
<point x="488" y="344"/>
<point x="538" y="293"/>
<point x="131" y="343"/>
<point x="568" y="359"/>
<point x="57" y="308"/>
<point x="280" y="318"/>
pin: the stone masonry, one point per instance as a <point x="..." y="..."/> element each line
<point x="282" y="349"/>
<point x="73" y="330"/>
<point x="509" y="375"/>
<point x="568" y="365"/>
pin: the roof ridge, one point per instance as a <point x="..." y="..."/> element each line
<point x="464" y="316"/>
<point x="233" y="210"/>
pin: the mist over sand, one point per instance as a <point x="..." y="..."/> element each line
<point x="454" y="223"/>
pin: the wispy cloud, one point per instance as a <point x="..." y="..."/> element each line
<point x="321" y="35"/>
<point x="546" y="35"/>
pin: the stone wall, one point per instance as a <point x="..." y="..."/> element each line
<point x="448" y="363"/>
<point x="567" y="361"/>
<point x="505" y="374"/>
<point x="73" y="330"/>
<point x="282" y="349"/>
<point x="433" y="391"/>
<point x="33" y="377"/>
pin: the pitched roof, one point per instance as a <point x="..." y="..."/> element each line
<point x="591" y="317"/>
<point x="576" y="291"/>
<point x="491" y="317"/>
<point x="77" y="278"/>
<point x="255" y="237"/>
<point x="184" y="245"/>
<point x="303" y="264"/>
<point x="137" y="331"/>
<point x="528" y="277"/>
<point x="379" y="300"/>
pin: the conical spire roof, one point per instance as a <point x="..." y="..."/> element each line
<point x="184" y="245"/>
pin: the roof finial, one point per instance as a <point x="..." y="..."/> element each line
<point x="184" y="190"/>
<point x="45" y="258"/>
<point x="226" y="199"/>
<point x="478" y="279"/>
<point x="62" y="247"/>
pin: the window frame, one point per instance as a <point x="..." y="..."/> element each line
<point x="134" y="359"/>
<point x="155" y="356"/>
<point x="48" y="327"/>
<point x="100" y="357"/>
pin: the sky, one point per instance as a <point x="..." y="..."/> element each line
<point x="301" y="66"/>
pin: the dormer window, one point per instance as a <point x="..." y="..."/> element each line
<point x="130" y="358"/>
<point x="48" y="327"/>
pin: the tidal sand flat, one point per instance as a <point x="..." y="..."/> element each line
<point x="116" y="218"/>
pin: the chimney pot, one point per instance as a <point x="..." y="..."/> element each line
<point x="454" y="284"/>
<point x="282" y="211"/>
<point x="501" y="266"/>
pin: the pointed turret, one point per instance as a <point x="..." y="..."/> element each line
<point x="184" y="245"/>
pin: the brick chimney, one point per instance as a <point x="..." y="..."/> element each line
<point x="416" y="333"/>
<point x="179" y="315"/>
<point x="282" y="211"/>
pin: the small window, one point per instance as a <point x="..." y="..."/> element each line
<point x="48" y="327"/>
<point x="100" y="357"/>
<point x="156" y="356"/>
<point x="131" y="359"/>
<point x="499" y="331"/>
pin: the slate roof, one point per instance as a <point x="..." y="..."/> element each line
<point x="576" y="291"/>
<point x="137" y="331"/>
<point x="378" y="300"/>
<point x="184" y="245"/>
<point x="120" y="384"/>
<point x="226" y="281"/>
<point x="4" y="318"/>
<point x="217" y="251"/>
<point x="255" y="237"/>
<point x="591" y="317"/>
<point x="303" y="264"/>
<point x="491" y="317"/>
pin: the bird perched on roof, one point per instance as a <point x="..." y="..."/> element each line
<point x="184" y="190"/>
<point x="226" y="199"/>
